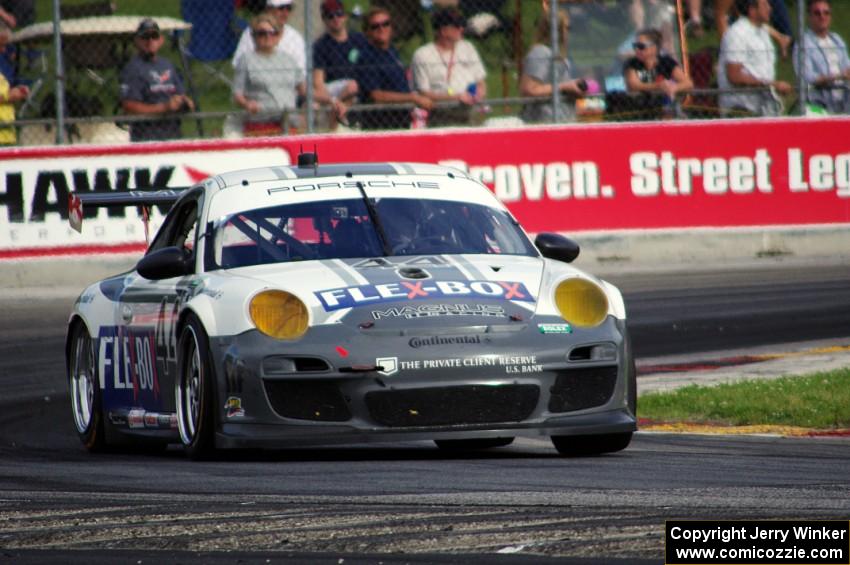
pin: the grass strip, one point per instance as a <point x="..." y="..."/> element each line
<point x="820" y="400"/>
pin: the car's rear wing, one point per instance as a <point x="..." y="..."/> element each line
<point x="120" y="199"/>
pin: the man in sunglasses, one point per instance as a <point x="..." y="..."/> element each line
<point x="826" y="65"/>
<point x="150" y="85"/>
<point x="334" y="56"/>
<point x="291" y="42"/>
<point x="382" y="76"/>
<point x="748" y="61"/>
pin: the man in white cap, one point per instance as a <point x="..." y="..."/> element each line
<point x="291" y="42"/>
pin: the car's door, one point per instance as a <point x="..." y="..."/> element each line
<point x="145" y="344"/>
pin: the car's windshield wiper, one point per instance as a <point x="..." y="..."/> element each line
<point x="376" y="221"/>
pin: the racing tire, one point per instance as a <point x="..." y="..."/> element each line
<point x="86" y="395"/>
<point x="473" y="444"/>
<point x="583" y="446"/>
<point x="194" y="390"/>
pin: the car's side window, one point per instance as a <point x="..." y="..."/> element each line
<point x="179" y="228"/>
<point x="187" y="221"/>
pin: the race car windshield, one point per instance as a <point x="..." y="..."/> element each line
<point x="421" y="226"/>
<point x="341" y="229"/>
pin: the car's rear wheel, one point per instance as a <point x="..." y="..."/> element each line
<point x="86" y="396"/>
<point x="473" y="444"/>
<point x="579" y="446"/>
<point x="195" y="392"/>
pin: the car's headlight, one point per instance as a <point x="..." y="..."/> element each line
<point x="581" y="302"/>
<point x="279" y="314"/>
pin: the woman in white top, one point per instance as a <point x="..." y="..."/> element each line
<point x="536" y="79"/>
<point x="266" y="81"/>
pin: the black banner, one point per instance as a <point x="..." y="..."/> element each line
<point x="744" y="542"/>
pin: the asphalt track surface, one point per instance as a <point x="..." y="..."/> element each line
<point x="409" y="502"/>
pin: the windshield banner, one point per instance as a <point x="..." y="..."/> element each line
<point x="572" y="178"/>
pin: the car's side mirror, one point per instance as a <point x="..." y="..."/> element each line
<point x="558" y="247"/>
<point x="165" y="263"/>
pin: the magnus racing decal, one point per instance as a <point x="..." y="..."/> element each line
<point x="433" y="310"/>
<point x="366" y="295"/>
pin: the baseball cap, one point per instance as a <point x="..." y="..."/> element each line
<point x="147" y="25"/>
<point x="278" y="3"/>
<point x="331" y="7"/>
<point x="447" y="17"/>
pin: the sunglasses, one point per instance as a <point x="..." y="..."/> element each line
<point x="821" y="13"/>
<point x="379" y="25"/>
<point x="265" y="33"/>
<point x="640" y="45"/>
<point x="149" y="36"/>
<point x="336" y="14"/>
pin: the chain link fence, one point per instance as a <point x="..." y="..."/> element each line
<point x="238" y="68"/>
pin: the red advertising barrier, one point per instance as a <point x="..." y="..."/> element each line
<point x="567" y="178"/>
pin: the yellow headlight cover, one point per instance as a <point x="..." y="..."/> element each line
<point x="279" y="314"/>
<point x="581" y="302"/>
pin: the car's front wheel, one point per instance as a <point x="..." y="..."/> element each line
<point x="194" y="391"/>
<point x="579" y="446"/>
<point x="86" y="396"/>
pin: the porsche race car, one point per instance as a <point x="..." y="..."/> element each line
<point x="347" y="303"/>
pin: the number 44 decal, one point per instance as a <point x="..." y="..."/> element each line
<point x="166" y="332"/>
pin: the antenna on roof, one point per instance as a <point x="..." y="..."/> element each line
<point x="308" y="159"/>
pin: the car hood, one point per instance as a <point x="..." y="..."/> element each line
<point x="439" y="289"/>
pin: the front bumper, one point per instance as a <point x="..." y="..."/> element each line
<point x="350" y="386"/>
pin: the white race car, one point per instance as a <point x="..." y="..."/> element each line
<point x="343" y="303"/>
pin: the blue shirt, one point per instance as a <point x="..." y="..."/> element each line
<point x="336" y="58"/>
<point x="151" y="82"/>
<point x="7" y="65"/>
<point x="380" y="69"/>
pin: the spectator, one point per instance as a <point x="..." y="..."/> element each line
<point x="334" y="56"/>
<point x="151" y="86"/>
<point x="449" y="70"/>
<point x="779" y="28"/>
<point x="10" y="91"/>
<point x="536" y="78"/>
<point x="748" y="60"/>
<point x="291" y="42"/>
<point x="651" y="14"/>
<point x="266" y="80"/>
<point x="382" y="76"/>
<point x="694" y="24"/>
<point x="655" y="75"/>
<point x="17" y="13"/>
<point x="826" y="65"/>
